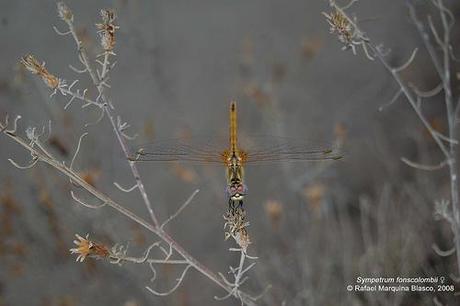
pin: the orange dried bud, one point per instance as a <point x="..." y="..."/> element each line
<point x="87" y="248"/>
<point x="32" y="64"/>
<point x="107" y="30"/>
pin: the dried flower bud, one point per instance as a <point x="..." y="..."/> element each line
<point x="340" y="26"/>
<point x="107" y="15"/>
<point x="87" y="248"/>
<point x="236" y="224"/>
<point x="32" y="64"/>
<point x="64" y="12"/>
<point x="107" y="29"/>
<point x="242" y="239"/>
<point x="107" y="40"/>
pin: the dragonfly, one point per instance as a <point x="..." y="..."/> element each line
<point x="234" y="156"/>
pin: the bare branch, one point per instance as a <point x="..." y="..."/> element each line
<point x="76" y="70"/>
<point x="72" y="84"/>
<point x="78" y="149"/>
<point x="180" y="209"/>
<point x="32" y="163"/>
<point x="69" y="103"/>
<point x="168" y="254"/>
<point x="101" y="116"/>
<point x="428" y="93"/>
<point x="393" y="100"/>
<point x="224" y="297"/>
<point x="4" y="126"/>
<point x="15" y="125"/>
<point x="239" y="278"/>
<point x="248" y="268"/>
<point x="179" y="281"/>
<point x="444" y="11"/>
<point x="61" y="33"/>
<point x="168" y="261"/>
<point x="225" y="279"/>
<point x="119" y="254"/>
<point x="76" y="199"/>
<point x="80" y="96"/>
<point x="84" y="59"/>
<point x="258" y="297"/>
<point x="125" y="189"/>
<point x="435" y="32"/>
<point x="425" y="167"/>
<point x="407" y="63"/>
<point x="413" y="102"/>
<point x="445" y="138"/>
<point x="441" y="252"/>
<point x="349" y="4"/>
<point x="426" y="39"/>
<point x="122" y="126"/>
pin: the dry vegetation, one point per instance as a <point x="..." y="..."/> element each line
<point x="312" y="250"/>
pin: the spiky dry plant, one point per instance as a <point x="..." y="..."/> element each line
<point x="171" y="252"/>
<point x="437" y="39"/>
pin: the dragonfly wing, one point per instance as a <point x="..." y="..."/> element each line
<point x="255" y="149"/>
<point x="279" y="149"/>
<point x="178" y="150"/>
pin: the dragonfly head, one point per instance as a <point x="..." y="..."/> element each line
<point x="236" y="191"/>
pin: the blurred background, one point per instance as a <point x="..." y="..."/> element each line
<point x="314" y="226"/>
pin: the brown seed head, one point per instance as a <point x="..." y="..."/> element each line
<point x="33" y="65"/>
<point x="87" y="248"/>
<point x="107" y="29"/>
<point x="340" y="25"/>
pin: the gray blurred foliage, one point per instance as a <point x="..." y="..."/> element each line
<point x="179" y="63"/>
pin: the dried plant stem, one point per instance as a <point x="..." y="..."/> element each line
<point x="47" y="158"/>
<point x="99" y="83"/>
<point x="238" y="274"/>
<point x="447" y="144"/>
<point x="38" y="152"/>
